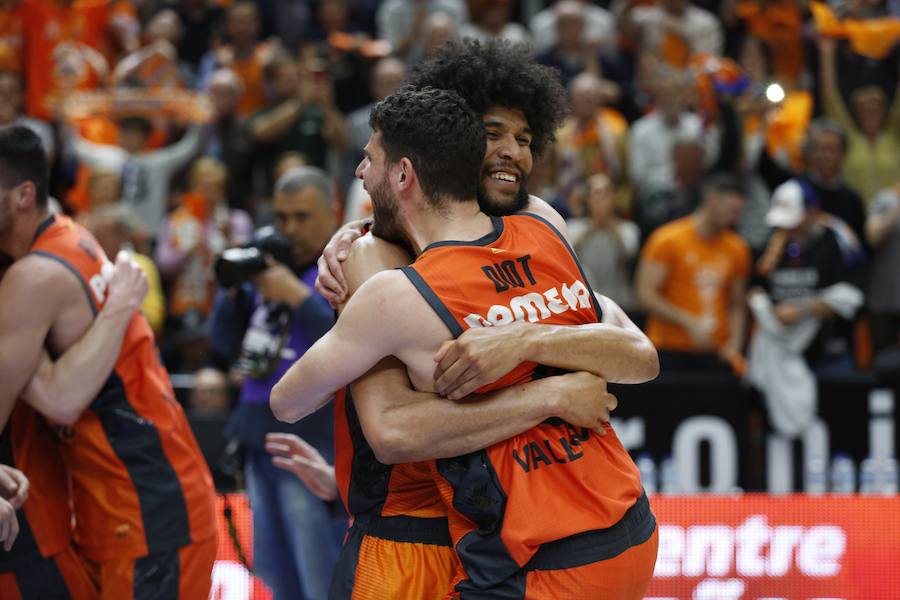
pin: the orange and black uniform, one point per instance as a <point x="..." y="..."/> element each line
<point x="398" y="545"/>
<point x="42" y="562"/>
<point x="545" y="513"/>
<point x="143" y="497"/>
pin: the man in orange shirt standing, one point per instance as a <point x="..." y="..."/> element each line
<point x="691" y="280"/>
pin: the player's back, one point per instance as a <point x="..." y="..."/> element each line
<point x="553" y="481"/>
<point x="140" y="483"/>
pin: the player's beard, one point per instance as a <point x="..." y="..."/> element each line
<point x="385" y="210"/>
<point x="500" y="207"/>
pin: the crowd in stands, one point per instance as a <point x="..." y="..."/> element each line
<point x="715" y="150"/>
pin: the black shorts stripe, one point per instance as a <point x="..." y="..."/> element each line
<point x="633" y="529"/>
<point x="42" y="581"/>
<point x="434" y="531"/>
<point x="344" y="575"/>
<point x="156" y="576"/>
<point x="369" y="478"/>
<point x="136" y="442"/>
<point x="73" y="271"/>
<point x="574" y="258"/>
<point x="478" y="495"/>
<point x="432" y="299"/>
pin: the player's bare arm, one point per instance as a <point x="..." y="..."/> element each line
<point x="63" y="389"/>
<point x="376" y="322"/>
<point x="402" y="424"/>
<point x="615" y="350"/>
<point x="27" y="312"/>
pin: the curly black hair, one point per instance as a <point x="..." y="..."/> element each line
<point x="499" y="73"/>
<point x="441" y="136"/>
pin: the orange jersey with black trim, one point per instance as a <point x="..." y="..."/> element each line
<point x="554" y="480"/>
<point x="368" y="486"/>
<point x="29" y="445"/>
<point x="139" y="481"/>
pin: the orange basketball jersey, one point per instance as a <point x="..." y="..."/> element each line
<point x="139" y="481"/>
<point x="555" y="480"/>
<point x="368" y="486"/>
<point x="29" y="445"/>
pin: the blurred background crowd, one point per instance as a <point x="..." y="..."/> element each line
<point x="716" y="150"/>
<point x="730" y="171"/>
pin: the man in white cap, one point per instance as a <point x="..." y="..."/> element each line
<point x="803" y="258"/>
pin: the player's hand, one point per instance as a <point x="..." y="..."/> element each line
<point x="9" y="525"/>
<point x="481" y="355"/>
<point x="584" y="401"/>
<point x="293" y="454"/>
<point x="127" y="285"/>
<point x="330" y="282"/>
<point x="13" y="486"/>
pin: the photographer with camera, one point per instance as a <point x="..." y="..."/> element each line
<point x="266" y="318"/>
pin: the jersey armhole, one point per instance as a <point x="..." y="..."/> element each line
<point x="73" y="271"/>
<point x="433" y="300"/>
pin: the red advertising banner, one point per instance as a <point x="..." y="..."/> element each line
<point x="747" y="547"/>
<point x="757" y="546"/>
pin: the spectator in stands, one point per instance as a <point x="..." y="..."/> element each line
<point x="598" y="25"/>
<point x="338" y="50"/>
<point x="652" y="137"/>
<point x="195" y="233"/>
<point x="228" y="140"/>
<point x="883" y="297"/>
<point x="203" y="19"/>
<point x="673" y="30"/>
<point x="658" y="207"/>
<point x="387" y="75"/>
<point x="259" y="330"/>
<point x="244" y="54"/>
<point x="607" y="245"/>
<point x="68" y="48"/>
<point x="301" y="117"/>
<point x="156" y="63"/>
<point x="402" y="23"/>
<point x="491" y="19"/>
<point x="873" y="131"/>
<point x="691" y="281"/>
<point x="574" y="52"/>
<point x="439" y="29"/>
<point x="803" y="273"/>
<point x="826" y="148"/>
<point x="591" y="141"/>
<point x="11" y="111"/>
<point x="116" y="228"/>
<point x="146" y="175"/>
<point x="209" y="391"/>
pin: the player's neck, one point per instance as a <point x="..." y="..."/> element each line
<point x="17" y="242"/>
<point x="457" y="221"/>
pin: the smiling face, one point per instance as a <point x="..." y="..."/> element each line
<point x="507" y="161"/>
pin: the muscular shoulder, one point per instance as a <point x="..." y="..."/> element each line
<point x="35" y="273"/>
<point x="541" y="208"/>
<point x="370" y="255"/>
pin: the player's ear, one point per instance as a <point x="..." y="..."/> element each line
<point x="405" y="173"/>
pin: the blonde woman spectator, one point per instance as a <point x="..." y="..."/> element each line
<point x="195" y="233"/>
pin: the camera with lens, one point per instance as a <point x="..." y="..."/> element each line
<point x="237" y="265"/>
